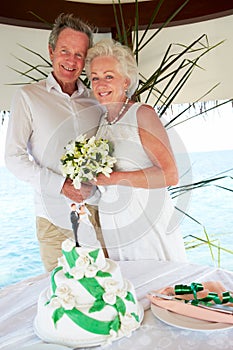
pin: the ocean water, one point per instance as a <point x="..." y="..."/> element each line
<point x="211" y="206"/>
<point x="19" y="252"/>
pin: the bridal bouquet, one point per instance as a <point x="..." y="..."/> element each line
<point x="85" y="158"/>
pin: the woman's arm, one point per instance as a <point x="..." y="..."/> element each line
<point x="157" y="146"/>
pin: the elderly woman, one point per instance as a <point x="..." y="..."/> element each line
<point x="135" y="208"/>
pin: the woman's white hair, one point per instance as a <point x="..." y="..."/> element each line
<point x="123" y="54"/>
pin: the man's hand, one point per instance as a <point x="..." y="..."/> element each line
<point x="77" y="195"/>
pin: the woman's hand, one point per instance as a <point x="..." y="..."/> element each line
<point x="75" y="195"/>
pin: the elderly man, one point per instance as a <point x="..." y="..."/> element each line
<point x="45" y="116"/>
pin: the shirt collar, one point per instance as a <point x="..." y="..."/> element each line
<point x="51" y="83"/>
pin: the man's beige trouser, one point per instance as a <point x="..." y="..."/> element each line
<point x="50" y="238"/>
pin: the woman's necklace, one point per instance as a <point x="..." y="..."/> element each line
<point x="118" y="115"/>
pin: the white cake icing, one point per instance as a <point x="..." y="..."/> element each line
<point x="88" y="302"/>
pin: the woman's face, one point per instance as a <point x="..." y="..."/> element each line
<point x="108" y="83"/>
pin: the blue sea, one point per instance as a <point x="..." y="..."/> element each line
<point x="211" y="207"/>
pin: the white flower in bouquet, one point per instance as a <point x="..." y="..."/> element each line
<point x="85" y="158"/>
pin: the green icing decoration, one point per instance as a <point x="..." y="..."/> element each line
<point x="130" y="297"/>
<point x="71" y="257"/>
<point x="57" y="315"/>
<point x="115" y="325"/>
<point x="68" y="275"/>
<point x="48" y="302"/>
<point x="92" y="286"/>
<point x="90" y="324"/>
<point x="53" y="283"/>
<point x="135" y="316"/>
<point x="94" y="254"/>
<point x="103" y="274"/>
<point x="120" y="306"/>
<point x="97" y="306"/>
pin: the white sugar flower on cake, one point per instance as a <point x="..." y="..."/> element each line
<point x="128" y="324"/>
<point x="55" y="303"/>
<point x="84" y="270"/>
<point x="112" y="291"/>
<point x="68" y="302"/>
<point x="91" y="271"/>
<point x="64" y="298"/>
<point x="109" y="298"/>
<point x="111" y="285"/>
<point x="83" y="262"/>
<point x="77" y="272"/>
<point x="122" y="293"/>
<point x="68" y="245"/>
<point x="63" y="290"/>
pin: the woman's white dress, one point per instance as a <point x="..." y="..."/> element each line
<point x="136" y="223"/>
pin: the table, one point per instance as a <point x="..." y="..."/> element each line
<point x="18" y="308"/>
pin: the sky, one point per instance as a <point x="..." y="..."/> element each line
<point x="210" y="132"/>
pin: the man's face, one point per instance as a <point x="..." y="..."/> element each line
<point x="68" y="57"/>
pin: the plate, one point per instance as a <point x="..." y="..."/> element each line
<point x="44" y="347"/>
<point x="185" y="322"/>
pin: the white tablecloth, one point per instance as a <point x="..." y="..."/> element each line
<point x="18" y="308"/>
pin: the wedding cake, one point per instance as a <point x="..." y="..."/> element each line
<point x="88" y="302"/>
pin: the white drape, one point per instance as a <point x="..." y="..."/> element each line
<point x="217" y="64"/>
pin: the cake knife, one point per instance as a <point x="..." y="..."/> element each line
<point x="215" y="307"/>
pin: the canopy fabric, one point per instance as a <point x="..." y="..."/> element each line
<point x="217" y="64"/>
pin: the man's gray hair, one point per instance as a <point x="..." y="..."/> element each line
<point x="69" y="21"/>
